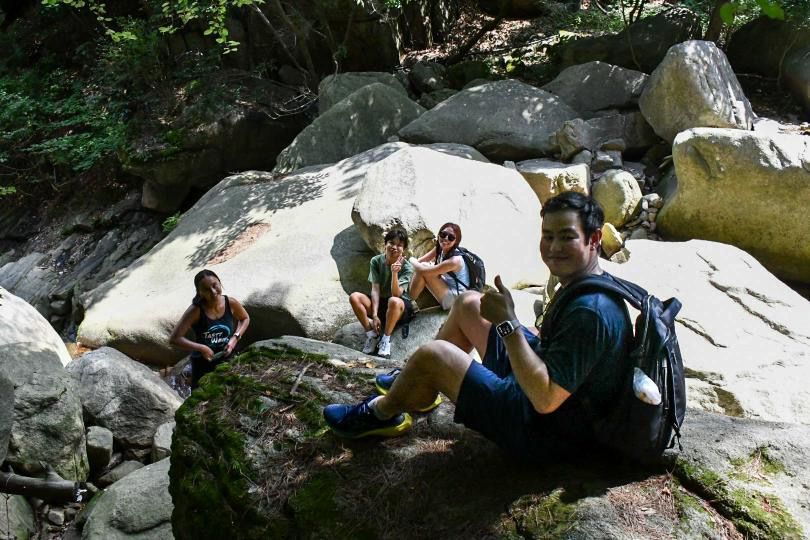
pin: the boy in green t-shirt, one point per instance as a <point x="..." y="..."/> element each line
<point x="389" y="305"/>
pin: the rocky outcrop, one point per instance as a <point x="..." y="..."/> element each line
<point x="419" y="189"/>
<point x="741" y="330"/>
<point x="16" y="518"/>
<point x="641" y="46"/>
<point x="477" y="116"/>
<point x="138" y="506"/>
<point x="628" y="133"/>
<point x="206" y="143"/>
<point x="594" y="86"/>
<point x="694" y="86"/>
<point x="754" y="181"/>
<point x="364" y="119"/>
<point x="749" y="481"/>
<point x="775" y="40"/>
<point x="334" y="88"/>
<point x="47" y="425"/>
<point x="550" y="178"/>
<point x="162" y="442"/>
<point x="292" y="272"/>
<point x="123" y="396"/>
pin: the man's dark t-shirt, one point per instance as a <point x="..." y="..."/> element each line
<point x="587" y="354"/>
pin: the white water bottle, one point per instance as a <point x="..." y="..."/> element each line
<point x="645" y="388"/>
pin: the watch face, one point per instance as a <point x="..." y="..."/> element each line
<point x="505" y="328"/>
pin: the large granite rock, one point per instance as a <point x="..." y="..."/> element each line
<point x="618" y="194"/>
<point x="735" y="476"/>
<point x="742" y="188"/>
<point x="502" y="119"/>
<point x="47" y="422"/>
<point x="741" y="330"/>
<point x="628" y="131"/>
<point x="136" y="507"/>
<point x="291" y="271"/>
<point x="641" y="46"/>
<point x="694" y="86"/>
<point x="594" y="86"/>
<point x="796" y="75"/>
<point x="334" y="88"/>
<point x="16" y="518"/>
<point x="419" y="189"/>
<point x="22" y="326"/>
<point x="775" y="40"/>
<point x="364" y="119"/>
<point x="123" y="396"/>
<point x="30" y="279"/>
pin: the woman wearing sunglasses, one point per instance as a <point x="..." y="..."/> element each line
<point x="442" y="270"/>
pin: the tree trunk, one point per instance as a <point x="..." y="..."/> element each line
<point x="53" y="488"/>
<point x="715" y="22"/>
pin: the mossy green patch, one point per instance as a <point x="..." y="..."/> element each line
<point x="756" y="467"/>
<point x="546" y="516"/>
<point x="755" y="514"/>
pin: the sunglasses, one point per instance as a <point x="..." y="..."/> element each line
<point x="447" y="236"/>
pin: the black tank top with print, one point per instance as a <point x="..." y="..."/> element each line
<point x="214" y="333"/>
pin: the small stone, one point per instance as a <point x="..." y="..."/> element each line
<point x="56" y="516"/>
<point x="70" y="513"/>
<point x="639" y="234"/>
<point x="652" y="226"/>
<point x="643" y="216"/>
<point x="583" y="157"/>
<point x="645" y="204"/>
<point x="645" y="224"/>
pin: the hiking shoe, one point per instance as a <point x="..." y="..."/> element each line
<point x="384" y="382"/>
<point x="355" y="421"/>
<point x="371" y="344"/>
<point x="384" y="350"/>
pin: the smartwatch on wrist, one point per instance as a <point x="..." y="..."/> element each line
<point x="507" y="328"/>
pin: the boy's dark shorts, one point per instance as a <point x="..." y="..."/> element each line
<point x="492" y="403"/>
<point x="407" y="315"/>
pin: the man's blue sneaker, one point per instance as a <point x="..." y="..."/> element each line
<point x="355" y="421"/>
<point x="385" y="381"/>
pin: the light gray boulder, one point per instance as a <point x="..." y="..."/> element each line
<point x="293" y="275"/>
<point x="458" y="150"/>
<point x="740" y="329"/>
<point x="137" y="507"/>
<point x="618" y="194"/>
<point x="162" y="442"/>
<point x="120" y="471"/>
<point x="16" y="518"/>
<point x="594" y="86"/>
<point x="550" y="178"/>
<point x="123" y="396"/>
<point x="694" y="86"/>
<point x="47" y="425"/>
<point x="755" y="182"/>
<point x="334" y="88"/>
<point x="504" y="120"/>
<point x="22" y="326"/>
<point x="629" y="130"/>
<point x="364" y="119"/>
<point x="418" y="189"/>
<point x="99" y="447"/>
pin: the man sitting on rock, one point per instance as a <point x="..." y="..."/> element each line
<point x="525" y="397"/>
<point x="389" y="305"/>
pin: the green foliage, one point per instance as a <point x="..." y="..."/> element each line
<point x="171" y="222"/>
<point x="178" y="13"/>
<point x="7" y="190"/>
<point x="729" y="10"/>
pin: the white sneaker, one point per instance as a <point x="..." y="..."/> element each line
<point x="385" y="349"/>
<point x="371" y="344"/>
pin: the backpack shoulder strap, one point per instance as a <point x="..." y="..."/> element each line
<point x="460" y="251"/>
<point x="605" y="282"/>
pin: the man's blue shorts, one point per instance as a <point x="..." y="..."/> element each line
<point x="491" y="402"/>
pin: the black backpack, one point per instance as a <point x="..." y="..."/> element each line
<point x="476" y="270"/>
<point x="634" y="428"/>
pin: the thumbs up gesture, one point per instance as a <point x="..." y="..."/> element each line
<point x="497" y="307"/>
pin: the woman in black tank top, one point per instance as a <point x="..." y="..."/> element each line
<point x="218" y="323"/>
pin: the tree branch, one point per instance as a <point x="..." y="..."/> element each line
<point x="53" y="488"/>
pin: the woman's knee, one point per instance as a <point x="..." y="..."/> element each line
<point x="356" y="298"/>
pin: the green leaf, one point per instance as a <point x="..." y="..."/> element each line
<point x="771" y="9"/>
<point x="728" y="11"/>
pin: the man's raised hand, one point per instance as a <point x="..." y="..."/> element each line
<point x="497" y="307"/>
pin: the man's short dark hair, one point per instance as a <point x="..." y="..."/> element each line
<point x="397" y="234"/>
<point x="590" y="213"/>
